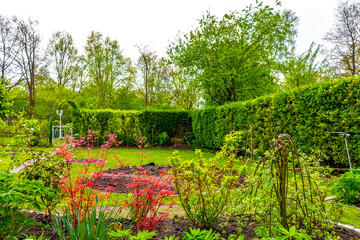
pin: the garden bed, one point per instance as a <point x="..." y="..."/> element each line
<point x="178" y="225"/>
<point x="120" y="177"/>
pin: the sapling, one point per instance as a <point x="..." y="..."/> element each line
<point x="149" y="194"/>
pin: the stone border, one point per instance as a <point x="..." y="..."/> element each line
<point x="349" y="227"/>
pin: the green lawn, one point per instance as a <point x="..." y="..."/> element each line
<point x="157" y="155"/>
<point x="351" y="216"/>
<point x="131" y="157"/>
<point x="5" y="140"/>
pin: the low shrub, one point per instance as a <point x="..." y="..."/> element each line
<point x="47" y="168"/>
<point x="347" y="188"/>
<point x="163" y="139"/>
<point x="17" y="197"/>
<point x="149" y="194"/>
<point x="36" y="164"/>
<point x="77" y="190"/>
<point x="204" y="188"/>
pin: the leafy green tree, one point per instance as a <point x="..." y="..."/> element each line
<point x="5" y="104"/>
<point x="126" y="98"/>
<point x="106" y="66"/>
<point x="185" y="90"/>
<point x="234" y="58"/>
<point x="62" y="58"/>
<point x="303" y="69"/>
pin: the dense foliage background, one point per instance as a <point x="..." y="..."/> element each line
<point x="308" y="114"/>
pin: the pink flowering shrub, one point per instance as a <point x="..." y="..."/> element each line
<point x="149" y="194"/>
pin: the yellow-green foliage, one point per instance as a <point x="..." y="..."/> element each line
<point x="308" y="114"/>
<point x="204" y="187"/>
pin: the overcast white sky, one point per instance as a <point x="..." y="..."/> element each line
<point x="154" y="22"/>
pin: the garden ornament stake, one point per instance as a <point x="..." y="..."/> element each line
<point x="59" y="113"/>
<point x="345" y="135"/>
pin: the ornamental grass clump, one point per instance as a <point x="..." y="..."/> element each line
<point x="90" y="224"/>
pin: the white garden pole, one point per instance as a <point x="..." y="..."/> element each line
<point x="59" y="113"/>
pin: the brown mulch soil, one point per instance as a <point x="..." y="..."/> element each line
<point x="45" y="226"/>
<point x="120" y="177"/>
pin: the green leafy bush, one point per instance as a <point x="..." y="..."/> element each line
<point x="163" y="138"/>
<point x="29" y="133"/>
<point x="5" y="104"/>
<point x="347" y="188"/>
<point x="126" y="234"/>
<point x="17" y="197"/>
<point x="45" y="167"/>
<point x="204" y="187"/>
<point x="196" y="233"/>
<point x="189" y="138"/>
<point x="36" y="164"/>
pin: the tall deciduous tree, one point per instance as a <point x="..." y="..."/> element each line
<point x="106" y="66"/>
<point x="62" y="58"/>
<point x="185" y="91"/>
<point x="234" y="58"/>
<point x="345" y="38"/>
<point x="146" y="64"/>
<point x="303" y="69"/>
<point x="9" y="50"/>
<point x="28" y="59"/>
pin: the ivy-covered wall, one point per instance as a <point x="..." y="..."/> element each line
<point x="307" y="114"/>
<point x="127" y="124"/>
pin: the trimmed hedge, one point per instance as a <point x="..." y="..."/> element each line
<point x="307" y="114"/>
<point x="127" y="124"/>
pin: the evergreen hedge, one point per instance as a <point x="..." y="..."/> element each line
<point x="307" y="114"/>
<point x="127" y="124"/>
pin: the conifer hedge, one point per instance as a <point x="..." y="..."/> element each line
<point x="307" y="114"/>
<point x="127" y="124"/>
